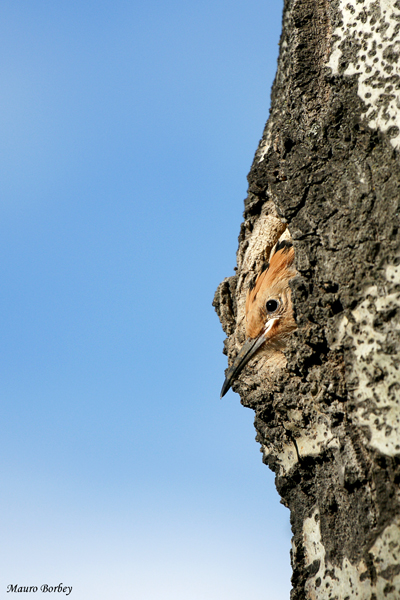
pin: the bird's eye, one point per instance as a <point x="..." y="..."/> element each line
<point x="272" y="306"/>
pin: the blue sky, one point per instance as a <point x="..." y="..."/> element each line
<point x="127" y="132"/>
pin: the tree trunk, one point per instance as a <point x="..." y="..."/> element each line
<point x="328" y="169"/>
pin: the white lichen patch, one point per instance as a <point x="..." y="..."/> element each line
<point x="287" y="457"/>
<point x="265" y="144"/>
<point x="367" y="45"/>
<point x="310" y="441"/>
<point x="350" y="581"/>
<point x="386" y="552"/>
<point x="375" y="375"/>
<point x="313" y="548"/>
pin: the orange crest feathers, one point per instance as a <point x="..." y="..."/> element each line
<point x="271" y="283"/>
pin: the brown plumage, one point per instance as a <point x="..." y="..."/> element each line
<point x="269" y="312"/>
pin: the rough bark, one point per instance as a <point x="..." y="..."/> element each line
<point x="328" y="168"/>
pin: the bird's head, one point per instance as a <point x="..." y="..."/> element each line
<point x="269" y="313"/>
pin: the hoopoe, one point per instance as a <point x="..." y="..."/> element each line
<point x="269" y="312"/>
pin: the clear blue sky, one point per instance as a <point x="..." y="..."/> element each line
<point x="127" y="132"/>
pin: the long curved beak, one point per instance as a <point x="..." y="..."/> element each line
<point x="247" y="351"/>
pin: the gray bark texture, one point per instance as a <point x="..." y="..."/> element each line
<point x="327" y="172"/>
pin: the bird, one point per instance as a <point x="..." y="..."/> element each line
<point x="268" y="312"/>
